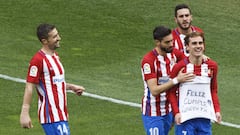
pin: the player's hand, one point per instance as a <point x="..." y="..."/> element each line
<point x="218" y="117"/>
<point x="178" y="118"/>
<point x="78" y="89"/>
<point x="205" y="57"/>
<point x="25" y="121"/>
<point x="185" y="77"/>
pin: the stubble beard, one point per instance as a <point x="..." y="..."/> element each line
<point x="167" y="50"/>
<point x="185" y="28"/>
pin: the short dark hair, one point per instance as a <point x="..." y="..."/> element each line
<point x="43" y="30"/>
<point x="193" y="34"/>
<point x="182" y="6"/>
<point x="160" y="32"/>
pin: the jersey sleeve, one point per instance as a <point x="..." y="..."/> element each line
<point x="180" y="55"/>
<point x="172" y="95"/>
<point x="198" y="29"/>
<point x="214" y="86"/>
<point x="148" y="68"/>
<point x="34" y="70"/>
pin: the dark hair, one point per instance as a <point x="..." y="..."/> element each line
<point x="181" y="6"/>
<point x="193" y="34"/>
<point x="43" y="30"/>
<point x="160" y="32"/>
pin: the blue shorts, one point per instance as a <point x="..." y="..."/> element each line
<point x="56" y="128"/>
<point x="198" y="126"/>
<point x="157" y="125"/>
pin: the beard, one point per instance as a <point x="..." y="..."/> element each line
<point x="167" y="50"/>
<point x="185" y="27"/>
<point x="54" y="46"/>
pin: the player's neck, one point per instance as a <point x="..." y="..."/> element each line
<point x="195" y="60"/>
<point x="185" y="32"/>
<point x="47" y="51"/>
<point x="160" y="52"/>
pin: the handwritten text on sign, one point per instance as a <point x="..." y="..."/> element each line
<point x="195" y="100"/>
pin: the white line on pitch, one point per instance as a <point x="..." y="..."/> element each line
<point x="105" y="98"/>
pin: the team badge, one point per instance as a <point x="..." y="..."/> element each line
<point x="33" y="71"/>
<point x="146" y="68"/>
<point x="210" y="72"/>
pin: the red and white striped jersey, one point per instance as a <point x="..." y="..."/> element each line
<point x="47" y="73"/>
<point x="208" y="68"/>
<point x="157" y="66"/>
<point x="178" y="39"/>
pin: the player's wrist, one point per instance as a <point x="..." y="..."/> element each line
<point x="25" y="107"/>
<point x="175" y="81"/>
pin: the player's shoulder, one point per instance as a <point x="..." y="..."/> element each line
<point x="149" y="55"/>
<point x="149" y="58"/>
<point x="211" y="62"/>
<point x="175" y="32"/>
<point x="179" y="54"/>
<point x="38" y="56"/>
<point x="176" y="51"/>
<point x="198" y="29"/>
<point x="182" y="63"/>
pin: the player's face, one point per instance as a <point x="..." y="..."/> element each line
<point x="166" y="44"/>
<point x="183" y="18"/>
<point x="53" y="39"/>
<point x="196" y="46"/>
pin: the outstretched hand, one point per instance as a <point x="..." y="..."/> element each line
<point x="77" y="89"/>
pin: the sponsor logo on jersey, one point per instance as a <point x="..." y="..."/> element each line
<point x="58" y="79"/>
<point x="33" y="71"/>
<point x="163" y="79"/>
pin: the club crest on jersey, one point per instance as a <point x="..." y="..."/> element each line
<point x="146" y="68"/>
<point x="33" y="71"/>
<point x="210" y="72"/>
<point x="172" y="62"/>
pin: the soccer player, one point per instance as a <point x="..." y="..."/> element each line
<point x="183" y="19"/>
<point x="197" y="102"/>
<point x="156" y="67"/>
<point x="46" y="74"/>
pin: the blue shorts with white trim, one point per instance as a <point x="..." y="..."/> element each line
<point x="157" y="125"/>
<point x="56" y="128"/>
<point x="198" y="126"/>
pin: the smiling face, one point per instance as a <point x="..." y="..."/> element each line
<point x="53" y="40"/>
<point x="196" y="46"/>
<point x="183" y="18"/>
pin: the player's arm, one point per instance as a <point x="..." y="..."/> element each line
<point x="214" y="93"/>
<point x="25" y="119"/>
<point x="180" y="55"/>
<point x="172" y="96"/>
<point x="157" y="89"/>
<point x="75" y="88"/>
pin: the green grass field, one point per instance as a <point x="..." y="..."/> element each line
<point x="102" y="44"/>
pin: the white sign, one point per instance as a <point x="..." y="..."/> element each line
<point x="195" y="100"/>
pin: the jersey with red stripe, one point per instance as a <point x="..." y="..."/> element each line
<point x="159" y="67"/>
<point x="47" y="73"/>
<point x="208" y="68"/>
<point x="178" y="39"/>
